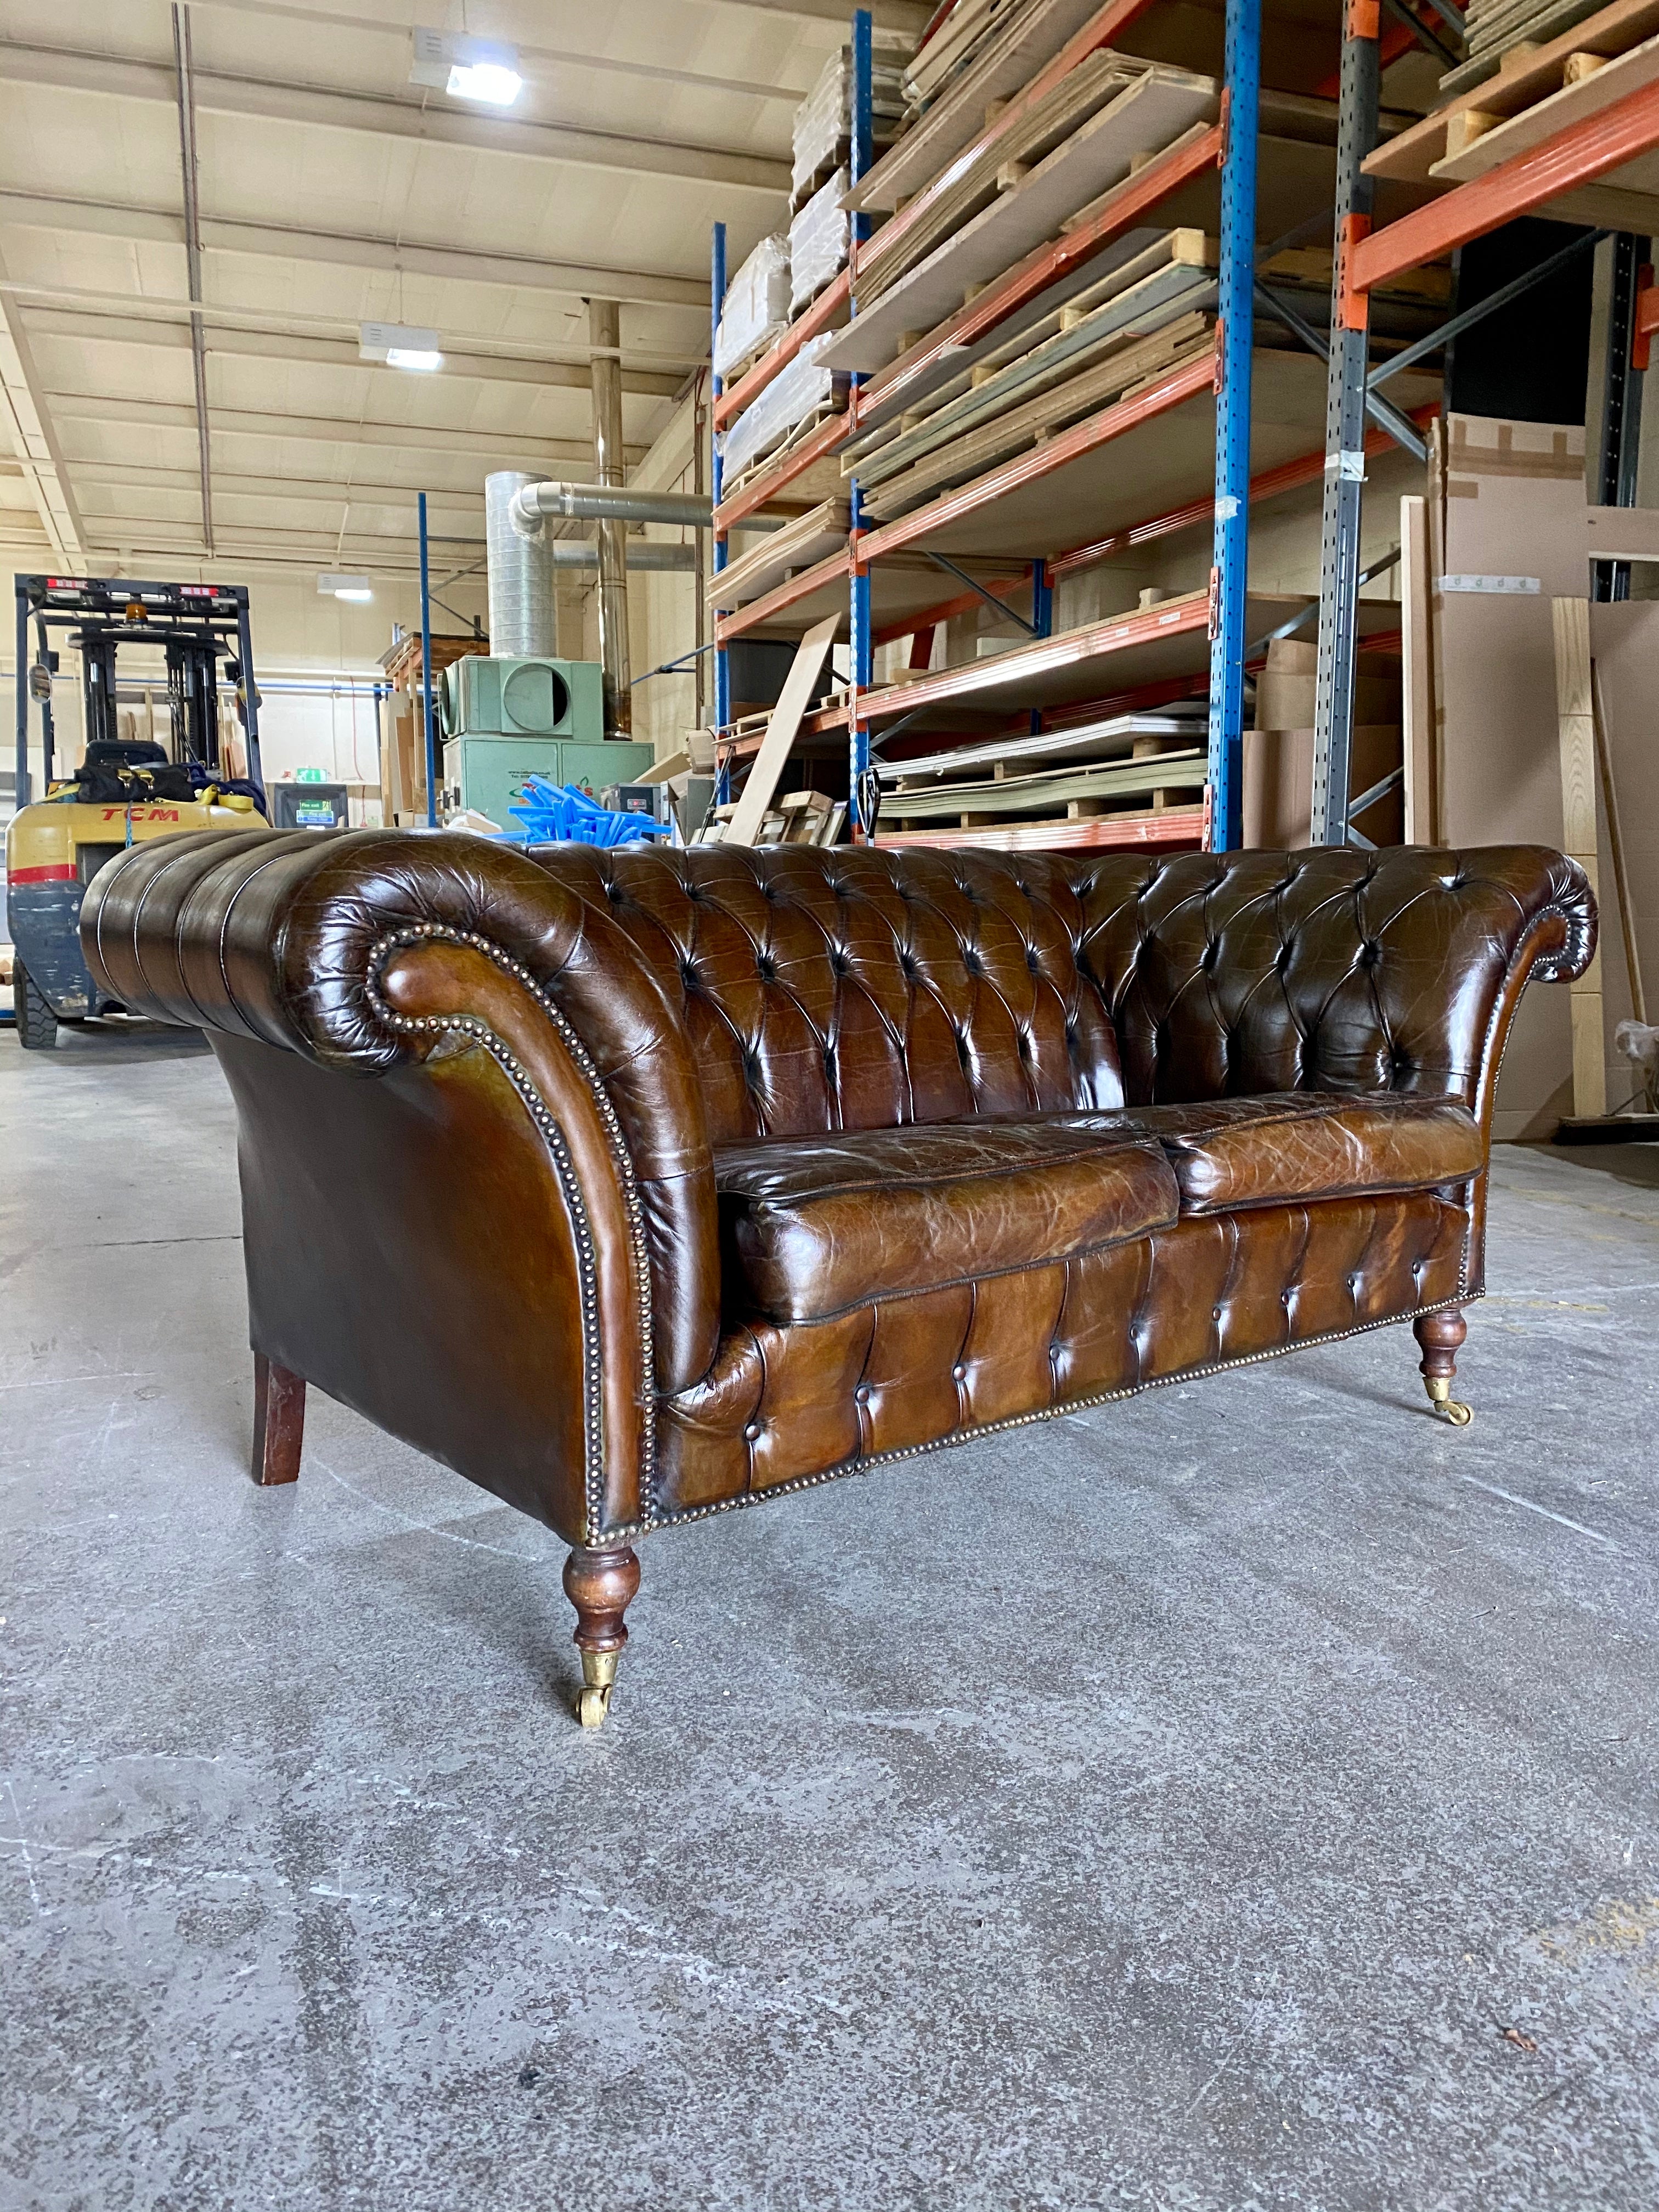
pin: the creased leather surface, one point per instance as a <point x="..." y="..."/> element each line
<point x="1295" y="1146"/>
<point x="813" y="1224"/>
<point x="791" y="1404"/>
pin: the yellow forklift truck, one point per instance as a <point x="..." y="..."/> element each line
<point x="126" y="791"/>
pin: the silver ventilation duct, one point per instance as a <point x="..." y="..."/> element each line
<point x="522" y="623"/>
<point x="642" y="553"/>
<point x="603" y="503"/>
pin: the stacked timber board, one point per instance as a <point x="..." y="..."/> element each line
<point x="1103" y="345"/>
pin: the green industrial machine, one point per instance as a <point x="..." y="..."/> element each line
<point x="505" y="720"/>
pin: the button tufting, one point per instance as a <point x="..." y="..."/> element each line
<point x="959" y="1373"/>
<point x="862" y="1394"/>
<point x="752" y="1432"/>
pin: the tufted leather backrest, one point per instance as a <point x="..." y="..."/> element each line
<point x="859" y="988"/>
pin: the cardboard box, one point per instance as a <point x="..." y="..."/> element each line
<point x="1507" y="501"/>
<point x="1277" y="795"/>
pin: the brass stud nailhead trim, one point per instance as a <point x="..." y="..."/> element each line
<point x="553" y="1136"/>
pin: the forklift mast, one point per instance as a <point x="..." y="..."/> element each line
<point x="195" y="625"/>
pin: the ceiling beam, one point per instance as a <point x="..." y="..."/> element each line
<point x="533" y="61"/>
<point x="177" y="307"/>
<point x="910" y="16"/>
<point x="311" y="491"/>
<point x="382" y="115"/>
<point x="28" y="425"/>
<point x="87" y="327"/>
<point x="485" y="448"/>
<point x="344" y="250"/>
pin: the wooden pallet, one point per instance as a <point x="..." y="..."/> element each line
<point x="836" y="404"/>
<point x="1531" y="82"/>
<point x="841" y="158"/>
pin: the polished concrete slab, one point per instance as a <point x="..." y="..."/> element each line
<point x="1243" y="1798"/>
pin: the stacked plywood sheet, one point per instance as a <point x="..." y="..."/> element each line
<point x="1122" y="762"/>
<point x="1016" y="44"/>
<point x="1083" y="135"/>
<point x="811" y="537"/>
<point x="1131" y="323"/>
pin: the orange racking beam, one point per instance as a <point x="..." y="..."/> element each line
<point x="732" y="401"/>
<point x="1646" y="320"/>
<point x="800" y="585"/>
<point x="761" y="489"/>
<point x="1576" y="155"/>
<point x="1180" y="826"/>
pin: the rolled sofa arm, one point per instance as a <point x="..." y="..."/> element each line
<point x="375" y="954"/>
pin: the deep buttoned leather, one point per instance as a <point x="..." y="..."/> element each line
<point x="710" y="999"/>
<point x="813" y="1226"/>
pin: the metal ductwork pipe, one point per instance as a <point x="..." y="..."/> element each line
<point x="642" y="553"/>
<point x="600" y="503"/>
<point x="522" y="622"/>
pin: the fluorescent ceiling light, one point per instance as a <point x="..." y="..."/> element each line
<point x="400" y="345"/>
<point x="331" y="586"/>
<point x="490" y="80"/>
<point x="466" y="68"/>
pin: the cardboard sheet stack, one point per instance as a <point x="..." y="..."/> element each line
<point x="824" y="121"/>
<point x="819" y="238"/>
<point x="1278" y="768"/>
<point x="798" y="394"/>
<point x="756" y="310"/>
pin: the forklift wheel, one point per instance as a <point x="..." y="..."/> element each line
<point x="37" y="1025"/>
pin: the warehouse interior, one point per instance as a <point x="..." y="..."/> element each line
<point x="707" y="695"/>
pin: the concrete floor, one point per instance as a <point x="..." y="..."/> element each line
<point x="1243" y="1798"/>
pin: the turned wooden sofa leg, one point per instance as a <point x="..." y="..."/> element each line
<point x="601" y="1585"/>
<point x="1440" y="1335"/>
<point x="279" y="1421"/>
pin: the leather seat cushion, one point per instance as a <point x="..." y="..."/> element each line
<point x="812" y="1226"/>
<point x="1293" y="1146"/>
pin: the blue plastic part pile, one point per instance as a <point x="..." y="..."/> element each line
<point x="552" y="815"/>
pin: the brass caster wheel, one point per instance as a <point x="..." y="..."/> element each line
<point x="591" y="1706"/>
<point x="1445" y="1406"/>
<point x="598" y="1679"/>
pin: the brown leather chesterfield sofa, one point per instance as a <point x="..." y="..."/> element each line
<point x="640" y="1186"/>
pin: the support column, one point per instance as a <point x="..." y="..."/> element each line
<point x="605" y="347"/>
<point x="1621" y="403"/>
<point x="862" y="794"/>
<point x="1344" y="431"/>
<point x="1230" y="577"/>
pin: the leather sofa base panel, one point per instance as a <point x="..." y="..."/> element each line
<point x="783" y="1407"/>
